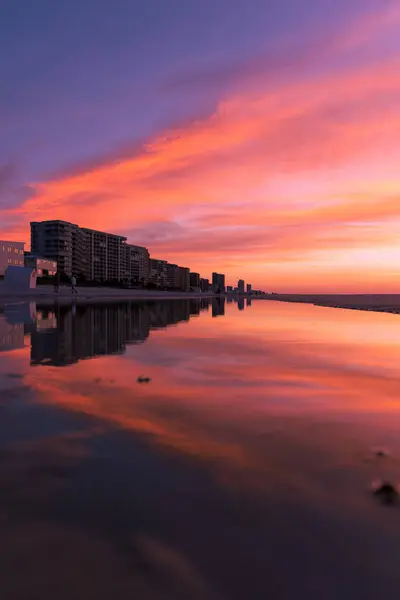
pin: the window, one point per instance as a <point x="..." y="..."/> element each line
<point x="9" y="261"/>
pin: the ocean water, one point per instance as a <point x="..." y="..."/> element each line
<point x="243" y="469"/>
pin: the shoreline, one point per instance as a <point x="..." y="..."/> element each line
<point x="45" y="295"/>
<point x="384" y="303"/>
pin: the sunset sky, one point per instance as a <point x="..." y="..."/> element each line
<point x="260" y="138"/>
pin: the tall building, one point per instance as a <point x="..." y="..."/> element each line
<point x="204" y="285"/>
<point x="241" y="286"/>
<point x="173" y="280"/>
<point x="11" y="253"/>
<point x="104" y="255"/>
<point x="137" y="264"/>
<point x="158" y="272"/>
<point x="194" y="280"/>
<point x="62" y="242"/>
<point x="248" y="288"/>
<point x="184" y="278"/>
<point x="79" y="251"/>
<point x="218" y="283"/>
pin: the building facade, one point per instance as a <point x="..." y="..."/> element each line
<point x="204" y="285"/>
<point x="184" y="278"/>
<point x="62" y="242"/>
<point x="241" y="286"/>
<point x="248" y="288"/>
<point x="94" y="255"/>
<point x="43" y="266"/>
<point x="11" y="253"/>
<point x="194" y="279"/>
<point x="158" y="272"/>
<point x="104" y="256"/>
<point x="137" y="264"/>
<point x="218" y="283"/>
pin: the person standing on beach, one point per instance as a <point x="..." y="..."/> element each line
<point x="73" y="285"/>
<point x="57" y="281"/>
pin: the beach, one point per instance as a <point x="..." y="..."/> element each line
<point x="374" y="302"/>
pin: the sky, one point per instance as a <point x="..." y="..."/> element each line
<point x="259" y="138"/>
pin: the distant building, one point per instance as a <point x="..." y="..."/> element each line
<point x="158" y="272"/>
<point x="194" y="280"/>
<point x="229" y="289"/>
<point x="137" y="264"/>
<point x="43" y="266"/>
<point x="11" y="253"/>
<point x="248" y="288"/>
<point x="204" y="285"/>
<point x="218" y="283"/>
<point x="173" y="277"/>
<point x="241" y="286"/>
<point x="184" y="278"/>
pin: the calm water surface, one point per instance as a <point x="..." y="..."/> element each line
<point x="241" y="471"/>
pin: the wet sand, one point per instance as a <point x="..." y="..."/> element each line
<point x="373" y="302"/>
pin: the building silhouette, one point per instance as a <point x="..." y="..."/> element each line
<point x="218" y="283"/>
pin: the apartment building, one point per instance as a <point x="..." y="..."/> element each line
<point x="218" y="283"/>
<point x="137" y="264"/>
<point x="204" y="285"/>
<point x="95" y="255"/>
<point x="104" y="255"/>
<point x="194" y="280"/>
<point x="158" y="272"/>
<point x="62" y="242"/>
<point x="184" y="278"/>
<point x="11" y="253"/>
<point x="173" y="280"/>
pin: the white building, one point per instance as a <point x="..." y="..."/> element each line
<point x="11" y="253"/>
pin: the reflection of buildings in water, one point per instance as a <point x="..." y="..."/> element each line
<point x="46" y="319"/>
<point x="21" y="313"/>
<point x="11" y="335"/>
<point x="248" y="301"/>
<point x="218" y="307"/>
<point x="241" y="303"/>
<point x="101" y="330"/>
